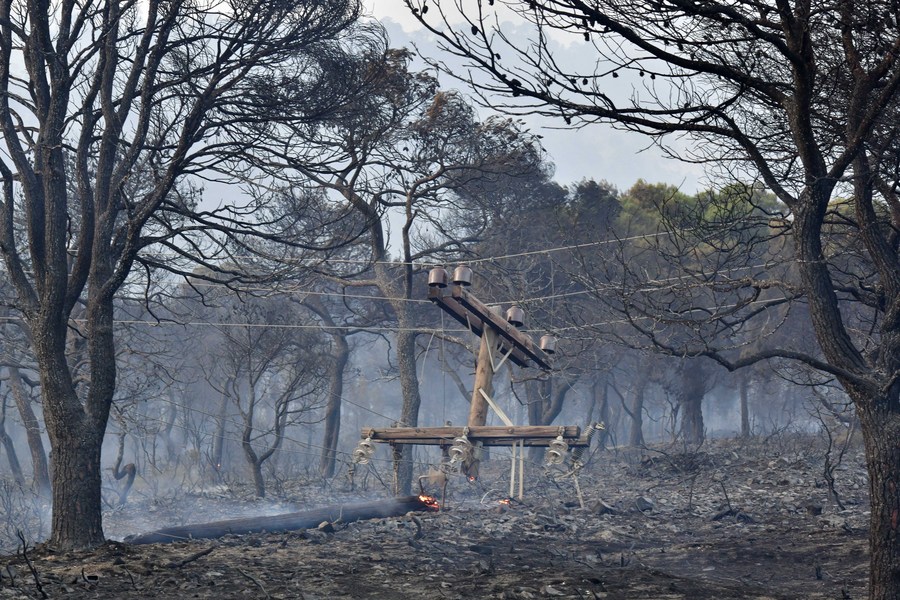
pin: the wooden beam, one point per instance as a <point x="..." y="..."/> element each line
<point x="518" y="339"/>
<point x="505" y="442"/>
<point x="490" y="435"/>
<point x="470" y="320"/>
<point x="455" y="310"/>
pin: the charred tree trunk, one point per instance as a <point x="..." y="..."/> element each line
<point x="636" y="413"/>
<point x="259" y="482"/>
<point x="15" y="467"/>
<point x="254" y="461"/>
<point x="601" y="398"/>
<point x="545" y="402"/>
<point x="248" y="414"/>
<point x="32" y="432"/>
<point x="745" y="404"/>
<point x="75" y="469"/>
<point x="172" y="453"/>
<point x="76" y="424"/>
<point x="409" y="384"/>
<point x="690" y="400"/>
<point x="340" y="357"/>
<point x="877" y="400"/>
<point x="12" y="458"/>
<point x="218" y="447"/>
<point x="128" y="472"/>
<point x="880" y="422"/>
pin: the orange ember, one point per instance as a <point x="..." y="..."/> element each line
<point x="430" y="501"/>
<point x="505" y="501"/>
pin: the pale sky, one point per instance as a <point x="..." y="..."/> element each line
<point x="597" y="152"/>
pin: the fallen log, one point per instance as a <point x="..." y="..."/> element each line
<point x="344" y="513"/>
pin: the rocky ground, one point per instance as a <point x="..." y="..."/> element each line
<point x="728" y="520"/>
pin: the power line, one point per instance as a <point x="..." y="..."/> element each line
<point x="398" y="263"/>
<point x="162" y="323"/>
<point x="425" y="329"/>
<point x="298" y="291"/>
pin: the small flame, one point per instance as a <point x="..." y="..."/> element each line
<point x="472" y="478"/>
<point x="505" y="501"/>
<point x="430" y="501"/>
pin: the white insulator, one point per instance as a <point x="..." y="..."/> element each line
<point x="548" y="344"/>
<point x="461" y="450"/>
<point x="364" y="451"/>
<point x="360" y="457"/>
<point x="556" y="452"/>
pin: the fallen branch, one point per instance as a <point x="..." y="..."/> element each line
<point x="34" y="573"/>
<point x="254" y="580"/>
<point x="177" y="564"/>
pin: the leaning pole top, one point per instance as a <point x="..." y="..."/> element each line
<point x="478" y="317"/>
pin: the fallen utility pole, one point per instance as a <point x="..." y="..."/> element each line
<point x="501" y="340"/>
<point x="343" y="513"/>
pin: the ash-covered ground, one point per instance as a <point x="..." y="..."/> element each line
<point x="731" y="519"/>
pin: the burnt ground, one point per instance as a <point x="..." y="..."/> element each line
<point x="730" y="520"/>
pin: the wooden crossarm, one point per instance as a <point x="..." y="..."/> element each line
<point x="489" y="435"/>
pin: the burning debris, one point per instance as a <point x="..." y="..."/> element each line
<point x="430" y="501"/>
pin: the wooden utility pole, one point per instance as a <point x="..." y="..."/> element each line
<point x="498" y="334"/>
<point x="484" y="376"/>
<point x="501" y="340"/>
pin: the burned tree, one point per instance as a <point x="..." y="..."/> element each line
<point x="118" y="106"/>
<point x="270" y="369"/>
<point x="798" y="96"/>
<point x="6" y="442"/>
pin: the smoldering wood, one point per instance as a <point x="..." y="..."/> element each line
<point x="488" y="435"/>
<point x="345" y="513"/>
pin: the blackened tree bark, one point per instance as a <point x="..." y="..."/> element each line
<point x="32" y="432"/>
<point x="636" y="412"/>
<point x="600" y="399"/>
<point x="12" y="458"/>
<point x="340" y="356"/>
<point x="545" y="397"/>
<point x="744" y="400"/>
<point x="690" y="401"/>
<point x="218" y="446"/>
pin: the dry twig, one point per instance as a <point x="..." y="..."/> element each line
<point x="254" y="580"/>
